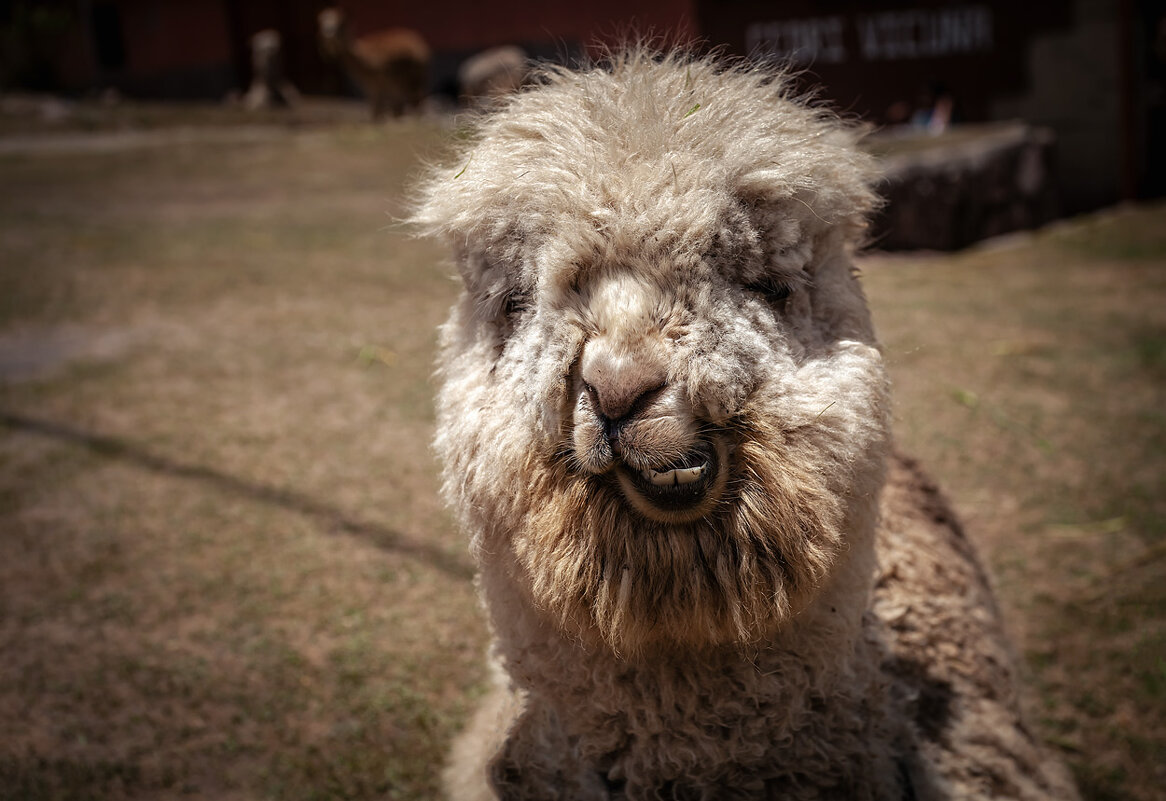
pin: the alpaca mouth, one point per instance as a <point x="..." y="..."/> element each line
<point x="679" y="491"/>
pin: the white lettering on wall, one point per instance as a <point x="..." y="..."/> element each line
<point x="925" y="33"/>
<point x="814" y="40"/>
<point x="885" y="36"/>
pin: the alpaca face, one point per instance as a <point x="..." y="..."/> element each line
<point x="663" y="411"/>
<point x="631" y="416"/>
<point x="331" y="22"/>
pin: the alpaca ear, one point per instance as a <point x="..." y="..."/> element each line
<point x="499" y="293"/>
<point x="486" y="282"/>
<point x="824" y="197"/>
<point x="781" y="240"/>
<point x="805" y="232"/>
<point x="801" y="246"/>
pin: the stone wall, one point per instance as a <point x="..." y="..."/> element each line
<point x="945" y="192"/>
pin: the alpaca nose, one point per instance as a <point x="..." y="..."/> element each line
<point x="619" y="378"/>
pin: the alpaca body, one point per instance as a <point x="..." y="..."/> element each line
<point x="269" y="88"/>
<point x="391" y="66"/>
<point x="664" y="422"/>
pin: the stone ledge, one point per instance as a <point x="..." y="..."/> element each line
<point x="948" y="191"/>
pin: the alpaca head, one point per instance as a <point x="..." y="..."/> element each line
<point x="332" y="24"/>
<point x="663" y="412"/>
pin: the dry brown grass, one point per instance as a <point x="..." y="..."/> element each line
<point x="224" y="570"/>
<point x="1030" y="375"/>
<point x="224" y="573"/>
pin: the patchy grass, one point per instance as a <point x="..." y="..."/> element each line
<point x="224" y="571"/>
<point x="1029" y="375"/>
<point x="24" y="114"/>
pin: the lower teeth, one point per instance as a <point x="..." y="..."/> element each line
<point x="675" y="478"/>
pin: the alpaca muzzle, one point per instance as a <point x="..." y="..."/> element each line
<point x="663" y="466"/>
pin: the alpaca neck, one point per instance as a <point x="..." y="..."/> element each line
<point x="821" y="649"/>
<point x="343" y="50"/>
<point x="700" y="717"/>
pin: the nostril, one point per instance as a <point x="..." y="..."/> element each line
<point x="615" y="409"/>
<point x="619" y="383"/>
<point x="610" y="428"/>
<point x="613" y="426"/>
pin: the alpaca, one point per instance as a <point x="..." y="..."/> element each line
<point x="391" y="66"/>
<point x="663" y="420"/>
<point x="491" y="74"/>
<point x="269" y="88"/>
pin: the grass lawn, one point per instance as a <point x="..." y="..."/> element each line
<point x="224" y="570"/>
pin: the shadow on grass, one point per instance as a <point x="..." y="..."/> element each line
<point x="335" y="519"/>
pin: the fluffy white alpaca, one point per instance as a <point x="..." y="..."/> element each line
<point x="664" y="423"/>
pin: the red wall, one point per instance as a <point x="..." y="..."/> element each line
<point x="470" y="26"/>
<point x="177" y="34"/>
<point x="199" y="48"/>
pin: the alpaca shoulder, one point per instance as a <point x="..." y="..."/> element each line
<point x="948" y="661"/>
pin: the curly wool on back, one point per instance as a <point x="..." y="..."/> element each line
<point x="663" y="421"/>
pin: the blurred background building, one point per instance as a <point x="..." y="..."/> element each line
<point x="1092" y="71"/>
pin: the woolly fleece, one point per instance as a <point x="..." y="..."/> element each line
<point x="657" y="265"/>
